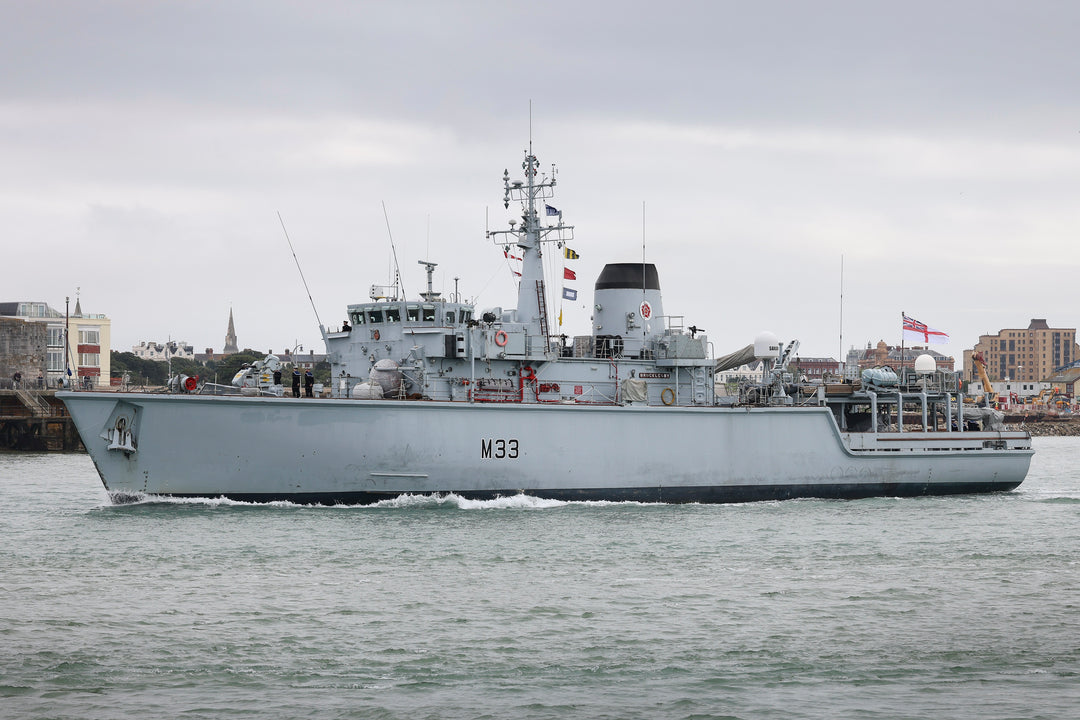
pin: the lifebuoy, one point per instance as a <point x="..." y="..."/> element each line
<point x="667" y="396"/>
<point x="500" y="338"/>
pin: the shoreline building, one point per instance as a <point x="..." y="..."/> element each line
<point x="815" y="368"/>
<point x="88" y="342"/>
<point x="895" y="356"/>
<point x="163" y="352"/>
<point x="304" y="362"/>
<point x="753" y="371"/>
<point x="1030" y="354"/>
<point x="231" y="347"/>
<point x="230" y="338"/>
<point x="1065" y="380"/>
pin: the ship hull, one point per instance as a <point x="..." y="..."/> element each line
<point x="331" y="451"/>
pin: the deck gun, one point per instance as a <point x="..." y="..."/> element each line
<point x="775" y="375"/>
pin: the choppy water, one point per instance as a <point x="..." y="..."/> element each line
<point x="961" y="607"/>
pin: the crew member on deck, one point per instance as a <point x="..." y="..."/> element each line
<point x="309" y="383"/>
<point x="296" y="382"/>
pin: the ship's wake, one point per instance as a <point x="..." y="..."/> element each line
<point x="133" y="498"/>
<point x="521" y="501"/>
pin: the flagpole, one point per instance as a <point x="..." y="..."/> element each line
<point x="902" y="316"/>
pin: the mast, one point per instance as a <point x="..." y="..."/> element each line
<point x="532" y="305"/>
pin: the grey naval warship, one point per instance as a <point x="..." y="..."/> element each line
<point x="432" y="396"/>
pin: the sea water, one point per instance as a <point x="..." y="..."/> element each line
<point x="938" y="607"/>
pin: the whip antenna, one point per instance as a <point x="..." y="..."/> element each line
<point x="397" y="272"/>
<point x="843" y="358"/>
<point x="300" y="271"/>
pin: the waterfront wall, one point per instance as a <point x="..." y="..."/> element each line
<point x="22" y="349"/>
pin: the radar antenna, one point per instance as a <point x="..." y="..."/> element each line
<point x="430" y="295"/>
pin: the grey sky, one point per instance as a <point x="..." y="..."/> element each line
<point x="147" y="148"/>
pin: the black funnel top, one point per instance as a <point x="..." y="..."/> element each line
<point x="635" y="276"/>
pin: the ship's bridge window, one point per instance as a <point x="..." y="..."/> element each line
<point x="466" y="315"/>
<point x="429" y="313"/>
<point x="393" y="314"/>
<point x="412" y="313"/>
<point x="450" y="317"/>
<point x="375" y="316"/>
<point x="357" y="318"/>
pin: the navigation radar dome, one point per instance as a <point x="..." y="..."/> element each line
<point x="766" y="346"/>
<point x="925" y="365"/>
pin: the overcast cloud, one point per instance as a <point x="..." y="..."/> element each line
<point x="148" y="147"/>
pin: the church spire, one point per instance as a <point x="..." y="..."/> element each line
<point x="230" y="337"/>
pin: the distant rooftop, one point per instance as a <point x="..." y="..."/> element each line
<point x="29" y="310"/>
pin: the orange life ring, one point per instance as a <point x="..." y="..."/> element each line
<point x="667" y="396"/>
<point x="500" y="338"/>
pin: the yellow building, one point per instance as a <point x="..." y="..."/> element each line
<point x="1024" y="354"/>
<point x="86" y="358"/>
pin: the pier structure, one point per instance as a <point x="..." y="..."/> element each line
<point x="35" y="420"/>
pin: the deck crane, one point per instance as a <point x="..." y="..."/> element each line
<point x="988" y="389"/>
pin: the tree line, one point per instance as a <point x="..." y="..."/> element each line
<point x="142" y="371"/>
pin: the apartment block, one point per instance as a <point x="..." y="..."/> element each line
<point x="1030" y="354"/>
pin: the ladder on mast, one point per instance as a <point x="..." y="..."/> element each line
<point x="542" y="307"/>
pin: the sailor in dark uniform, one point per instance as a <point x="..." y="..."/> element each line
<point x="296" y="382"/>
<point x="309" y="383"/>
